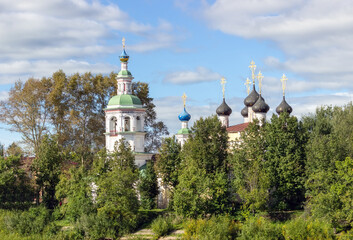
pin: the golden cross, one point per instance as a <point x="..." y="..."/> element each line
<point x="123" y="42"/>
<point x="223" y="83"/>
<point x="252" y="69"/>
<point x="259" y="78"/>
<point x="247" y="83"/>
<point x="283" y="80"/>
<point x="184" y="98"/>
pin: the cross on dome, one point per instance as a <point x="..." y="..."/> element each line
<point x="123" y="41"/>
<point x="184" y="99"/>
<point x="284" y="79"/>
<point x="223" y="83"/>
<point x="247" y="83"/>
<point x="252" y="69"/>
<point x="259" y="78"/>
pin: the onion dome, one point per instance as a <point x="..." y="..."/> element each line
<point x="184" y="116"/>
<point x="260" y="106"/>
<point x="124" y="57"/>
<point x="224" y="109"/>
<point x="251" y="99"/>
<point x="244" y="112"/>
<point x="284" y="107"/>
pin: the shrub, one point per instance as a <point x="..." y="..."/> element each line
<point x="215" y="228"/>
<point x="161" y="226"/>
<point x="306" y="228"/>
<point x="260" y="228"/>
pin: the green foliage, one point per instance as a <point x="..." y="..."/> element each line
<point x="203" y="180"/>
<point x="162" y="225"/>
<point x="14" y="150"/>
<point x="148" y="187"/>
<point x="47" y="167"/>
<point x="215" y="228"/>
<point x="74" y="191"/>
<point x="259" y="228"/>
<point x="303" y="228"/>
<point x="32" y="221"/>
<point x="168" y="161"/>
<point x="15" y="188"/>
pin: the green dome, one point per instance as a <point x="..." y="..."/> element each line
<point x="184" y="131"/>
<point x="124" y="100"/>
<point x="124" y="73"/>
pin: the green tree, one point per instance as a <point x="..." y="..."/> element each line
<point x="25" y="111"/>
<point x="15" y="188"/>
<point x="155" y="129"/>
<point x="148" y="187"/>
<point x="250" y="179"/>
<point x="285" y="161"/>
<point x="168" y="161"/>
<point x="47" y="168"/>
<point x="14" y="150"/>
<point x="203" y="181"/>
<point x="2" y="150"/>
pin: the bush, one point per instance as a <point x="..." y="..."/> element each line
<point x="260" y="228"/>
<point x="216" y="228"/>
<point x="162" y="225"/>
<point x="28" y="222"/>
<point x="306" y="228"/>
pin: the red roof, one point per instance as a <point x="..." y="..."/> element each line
<point x="237" y="128"/>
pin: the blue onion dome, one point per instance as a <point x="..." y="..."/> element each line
<point x="124" y="57"/>
<point x="251" y="99"/>
<point x="244" y="112"/>
<point x="224" y="109"/>
<point x="284" y="107"/>
<point x="184" y="116"/>
<point x="260" y="106"/>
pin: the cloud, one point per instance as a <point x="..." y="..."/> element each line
<point x="58" y="32"/>
<point x="315" y="35"/>
<point x="200" y="74"/>
<point x="3" y="95"/>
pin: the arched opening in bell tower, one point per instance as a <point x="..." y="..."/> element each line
<point x="113" y="125"/>
<point x="127" y="125"/>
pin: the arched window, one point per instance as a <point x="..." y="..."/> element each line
<point x="138" y="124"/>
<point x="127" y="127"/>
<point x="113" y="125"/>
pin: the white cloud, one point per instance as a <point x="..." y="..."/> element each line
<point x="3" y="95"/>
<point x="200" y="74"/>
<point x="58" y="33"/>
<point x="316" y="36"/>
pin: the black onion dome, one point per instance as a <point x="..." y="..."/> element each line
<point x="284" y="107"/>
<point x="260" y="106"/>
<point x="251" y="99"/>
<point x="224" y="109"/>
<point x="244" y="112"/>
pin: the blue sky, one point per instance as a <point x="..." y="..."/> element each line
<point x="186" y="46"/>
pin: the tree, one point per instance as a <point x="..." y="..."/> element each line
<point x="203" y="180"/>
<point x="15" y="188"/>
<point x="25" y="111"/>
<point x="155" y="129"/>
<point x="14" y="150"/>
<point x="148" y="187"/>
<point x="2" y="150"/>
<point x="47" y="168"/>
<point x="168" y="161"/>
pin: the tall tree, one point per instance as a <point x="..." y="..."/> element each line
<point x="47" y="168"/>
<point x="155" y="129"/>
<point x="203" y="181"/>
<point x="148" y="187"/>
<point x="14" y="150"/>
<point x="26" y="112"/>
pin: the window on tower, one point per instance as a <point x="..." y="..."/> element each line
<point x="127" y="124"/>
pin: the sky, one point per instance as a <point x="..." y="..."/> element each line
<point x="179" y="46"/>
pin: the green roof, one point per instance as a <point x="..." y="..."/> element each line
<point x="124" y="100"/>
<point x="184" y="131"/>
<point x="124" y="73"/>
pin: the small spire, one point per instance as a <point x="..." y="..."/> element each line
<point x="123" y="41"/>
<point x="223" y="83"/>
<point x="259" y="78"/>
<point x="284" y="79"/>
<point x="247" y="83"/>
<point x="252" y="69"/>
<point x="184" y="99"/>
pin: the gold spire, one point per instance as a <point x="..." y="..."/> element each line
<point x="284" y="79"/>
<point x="259" y="78"/>
<point x="184" y="99"/>
<point x="247" y="83"/>
<point x="252" y="69"/>
<point x="223" y="83"/>
<point x="123" y="42"/>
